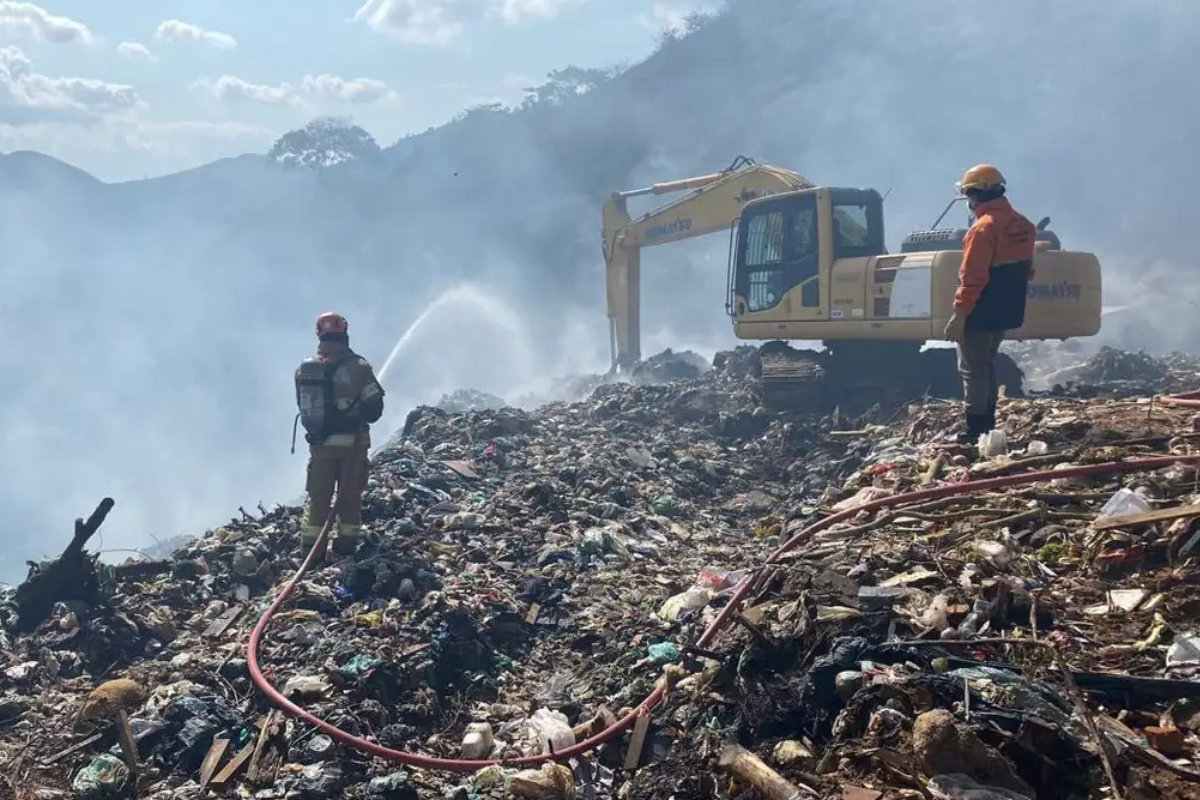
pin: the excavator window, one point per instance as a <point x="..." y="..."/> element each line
<point x="857" y="223"/>
<point x="763" y="261"/>
<point x="777" y="252"/>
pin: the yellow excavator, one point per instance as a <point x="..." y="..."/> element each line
<point x="808" y="263"/>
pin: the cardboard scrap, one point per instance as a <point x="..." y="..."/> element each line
<point x="211" y="760"/>
<point x="221" y="624"/>
<point x="637" y="741"/>
<point x="462" y="469"/>
<point x="1147" y="517"/>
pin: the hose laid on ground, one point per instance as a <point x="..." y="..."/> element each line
<point x="722" y="618"/>
<point x="1189" y="399"/>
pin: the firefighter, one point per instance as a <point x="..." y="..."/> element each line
<point x="993" y="282"/>
<point x="338" y="399"/>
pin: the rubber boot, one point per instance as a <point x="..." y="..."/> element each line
<point x="346" y="542"/>
<point x="990" y="417"/>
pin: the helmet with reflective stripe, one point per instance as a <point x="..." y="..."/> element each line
<point x="331" y="322"/>
<point x="981" y="177"/>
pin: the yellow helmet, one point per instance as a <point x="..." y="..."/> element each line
<point x="981" y="177"/>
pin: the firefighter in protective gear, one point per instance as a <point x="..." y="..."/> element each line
<point x="338" y="399"/>
<point x="993" y="283"/>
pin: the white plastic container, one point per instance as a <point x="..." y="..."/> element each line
<point x="993" y="443"/>
<point x="477" y="741"/>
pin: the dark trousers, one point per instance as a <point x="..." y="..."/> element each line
<point x="977" y="366"/>
<point x="344" y="469"/>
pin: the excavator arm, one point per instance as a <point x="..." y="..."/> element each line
<point x="714" y="203"/>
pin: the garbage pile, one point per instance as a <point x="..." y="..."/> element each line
<point x="470" y="400"/>
<point x="925" y="642"/>
<point x="1117" y="372"/>
<point x="532" y="576"/>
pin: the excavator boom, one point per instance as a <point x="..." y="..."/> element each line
<point x="714" y="203"/>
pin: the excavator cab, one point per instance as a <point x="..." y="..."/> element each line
<point x="785" y="246"/>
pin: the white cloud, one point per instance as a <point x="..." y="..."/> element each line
<point x="27" y="97"/>
<point x="440" y="22"/>
<point x="309" y="89"/>
<point x="229" y="87"/>
<point x="135" y="51"/>
<point x="105" y="127"/>
<point x="345" y="90"/>
<point x="35" y="21"/>
<point x="517" y="10"/>
<point x="424" y="22"/>
<point x="172" y="30"/>
<point x="672" y="14"/>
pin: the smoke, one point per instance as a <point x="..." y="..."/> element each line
<point x="152" y="328"/>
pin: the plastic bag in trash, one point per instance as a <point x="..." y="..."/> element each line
<point x="1184" y="650"/>
<point x="105" y="777"/>
<point x="1124" y="502"/>
<point x="553" y="730"/>
<point x="963" y="787"/>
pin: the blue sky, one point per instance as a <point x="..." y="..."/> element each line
<point x="136" y="88"/>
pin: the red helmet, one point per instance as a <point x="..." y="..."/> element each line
<point x="331" y="322"/>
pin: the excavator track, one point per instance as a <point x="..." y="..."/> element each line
<point x="854" y="378"/>
<point x="793" y="380"/>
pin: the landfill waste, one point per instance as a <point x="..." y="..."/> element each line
<point x="1120" y="373"/>
<point x="531" y="575"/>
<point x="470" y="400"/>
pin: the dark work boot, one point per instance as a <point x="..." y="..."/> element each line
<point x="346" y="542"/>
<point x="308" y="537"/>
<point x="976" y="425"/>
<point x="990" y="418"/>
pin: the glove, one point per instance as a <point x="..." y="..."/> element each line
<point x="956" y="327"/>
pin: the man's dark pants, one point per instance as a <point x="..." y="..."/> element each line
<point x="977" y="366"/>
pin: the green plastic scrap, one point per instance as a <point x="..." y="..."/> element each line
<point x="664" y="504"/>
<point x="104" y="778"/>
<point x="359" y="664"/>
<point x="663" y="652"/>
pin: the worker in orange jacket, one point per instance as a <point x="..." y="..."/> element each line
<point x="338" y="398"/>
<point x="993" y="283"/>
